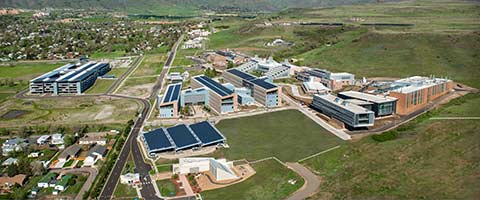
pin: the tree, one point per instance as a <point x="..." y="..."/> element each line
<point x="37" y="168"/>
<point x="12" y="170"/>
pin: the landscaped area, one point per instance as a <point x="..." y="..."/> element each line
<point x="271" y="134"/>
<point x="125" y="191"/>
<point x="270" y="182"/>
<point x="167" y="188"/>
<point x="429" y="159"/>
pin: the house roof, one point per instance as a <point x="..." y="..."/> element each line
<point x="70" y="151"/>
<point x="98" y="149"/>
<point x="9" y="161"/>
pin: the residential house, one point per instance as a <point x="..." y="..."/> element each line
<point x="6" y="183"/>
<point x="14" y="144"/>
<point x="57" y="139"/>
<point x="47" y="180"/>
<point x="95" y="153"/>
<point x="69" y="152"/>
<point x="10" y="161"/>
<point x="62" y="185"/>
<point x="43" y="139"/>
<point x="92" y="140"/>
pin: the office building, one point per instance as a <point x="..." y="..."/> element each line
<point x="168" y="103"/>
<point x="333" y="81"/>
<point x="381" y="105"/>
<point x="220" y="98"/>
<point x="416" y="92"/>
<point x="264" y="92"/>
<point x="220" y="169"/>
<point x="69" y="79"/>
<point x="353" y="116"/>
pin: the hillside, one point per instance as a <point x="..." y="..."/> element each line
<point x="181" y="7"/>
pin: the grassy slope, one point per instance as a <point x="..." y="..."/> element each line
<point x="270" y="182"/>
<point x="271" y="134"/>
<point x="431" y="160"/>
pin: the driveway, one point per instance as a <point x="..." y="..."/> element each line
<point x="311" y="182"/>
<point x="93" y="173"/>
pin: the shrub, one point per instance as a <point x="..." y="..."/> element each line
<point x="386" y="136"/>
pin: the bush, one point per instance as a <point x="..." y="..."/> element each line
<point x="386" y="136"/>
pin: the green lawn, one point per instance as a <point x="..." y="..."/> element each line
<point x="68" y="163"/>
<point x="152" y="64"/>
<point x="270" y="182"/>
<point x="124" y="191"/>
<point x="180" y="57"/>
<point x="100" y="86"/>
<point x="74" y="189"/>
<point x="117" y="72"/>
<point x="430" y="159"/>
<point x="288" y="135"/>
<point x="114" y="54"/>
<point x="167" y="188"/>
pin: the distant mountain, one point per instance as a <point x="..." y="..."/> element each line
<point x="176" y="7"/>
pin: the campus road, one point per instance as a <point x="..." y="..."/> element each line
<point x="120" y="79"/>
<point x="86" y="186"/>
<point x="311" y="182"/>
<point x="131" y="145"/>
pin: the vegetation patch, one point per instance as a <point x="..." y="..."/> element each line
<point x="12" y="114"/>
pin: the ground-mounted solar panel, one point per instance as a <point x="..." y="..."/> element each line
<point x="182" y="137"/>
<point x="157" y="141"/>
<point x="207" y="133"/>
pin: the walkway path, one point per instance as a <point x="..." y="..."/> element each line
<point x="311" y="182"/>
<point x="186" y="185"/>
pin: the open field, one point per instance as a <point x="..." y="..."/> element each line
<point x="152" y="64"/>
<point x="100" y="86"/>
<point x="180" y="57"/>
<point x="89" y="110"/>
<point x="167" y="188"/>
<point x="430" y="159"/>
<point x="138" y="86"/>
<point x="267" y="135"/>
<point x="114" y="54"/>
<point x="270" y="182"/>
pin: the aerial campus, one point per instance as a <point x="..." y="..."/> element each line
<point x="241" y="100"/>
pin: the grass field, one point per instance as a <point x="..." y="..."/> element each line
<point x="74" y="189"/>
<point x="125" y="191"/>
<point x="100" y="110"/>
<point x="180" y="57"/>
<point x="269" y="135"/>
<point x="431" y="159"/>
<point x="114" y="54"/>
<point x="100" y="86"/>
<point x="167" y="188"/>
<point x="270" y="182"/>
<point x="152" y="64"/>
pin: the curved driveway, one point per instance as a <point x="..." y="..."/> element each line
<point x="86" y="186"/>
<point x="311" y="182"/>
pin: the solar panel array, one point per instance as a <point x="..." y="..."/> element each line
<point x="173" y="93"/>
<point x="241" y="74"/>
<point x="182" y="137"/>
<point x="214" y="86"/>
<point x="264" y="84"/>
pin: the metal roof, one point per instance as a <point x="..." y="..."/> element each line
<point x="368" y="97"/>
<point x="343" y="104"/>
<point x="213" y="85"/>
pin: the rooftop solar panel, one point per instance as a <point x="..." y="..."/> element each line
<point x="172" y="93"/>
<point x="206" y="133"/>
<point x="75" y="72"/>
<point x="241" y="74"/>
<point x="214" y="86"/>
<point x="157" y="140"/>
<point x="182" y="137"/>
<point x="264" y="84"/>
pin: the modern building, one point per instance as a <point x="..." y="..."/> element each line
<point x="353" y="116"/>
<point x="69" y="79"/>
<point x="416" y="92"/>
<point x="175" y="77"/>
<point x="381" y="105"/>
<point x="268" y="67"/>
<point x="220" y="99"/>
<point x="219" y="168"/>
<point x="182" y="137"/>
<point x="197" y="96"/>
<point x="264" y="92"/>
<point x="313" y="87"/>
<point x="333" y="81"/>
<point x="168" y="103"/>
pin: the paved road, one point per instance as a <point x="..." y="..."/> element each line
<point x="148" y="190"/>
<point x="86" y="186"/>
<point x="311" y="182"/>
<point x="120" y="79"/>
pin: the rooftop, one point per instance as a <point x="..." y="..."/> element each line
<point x="213" y="85"/>
<point x="241" y="74"/>
<point x="172" y="93"/>
<point x="368" y="97"/>
<point x="414" y="83"/>
<point x="263" y="84"/>
<point x="344" y="104"/>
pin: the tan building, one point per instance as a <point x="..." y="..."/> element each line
<point x="220" y="99"/>
<point x="416" y="92"/>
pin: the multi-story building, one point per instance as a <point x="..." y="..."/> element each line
<point x="69" y="79"/>
<point x="416" y="92"/>
<point x="381" y="105"/>
<point x="333" y="81"/>
<point x="269" y="67"/>
<point x="220" y="98"/>
<point x="169" y="103"/>
<point x="264" y="92"/>
<point x="353" y="116"/>
<point x="197" y="96"/>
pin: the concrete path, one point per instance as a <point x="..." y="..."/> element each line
<point x="311" y="182"/>
<point x="186" y="185"/>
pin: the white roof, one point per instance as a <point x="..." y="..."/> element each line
<point x="368" y="97"/>
<point x="315" y="86"/>
<point x="416" y="83"/>
<point x="344" y="104"/>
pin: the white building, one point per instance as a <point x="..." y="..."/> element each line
<point x="43" y="139"/>
<point x="57" y="139"/>
<point x="14" y="144"/>
<point x="313" y="87"/>
<point x="96" y="153"/>
<point x="10" y="161"/>
<point x="130" y="179"/>
<point x="220" y="169"/>
<point x="92" y="140"/>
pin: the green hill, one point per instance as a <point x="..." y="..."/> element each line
<point x="180" y="7"/>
